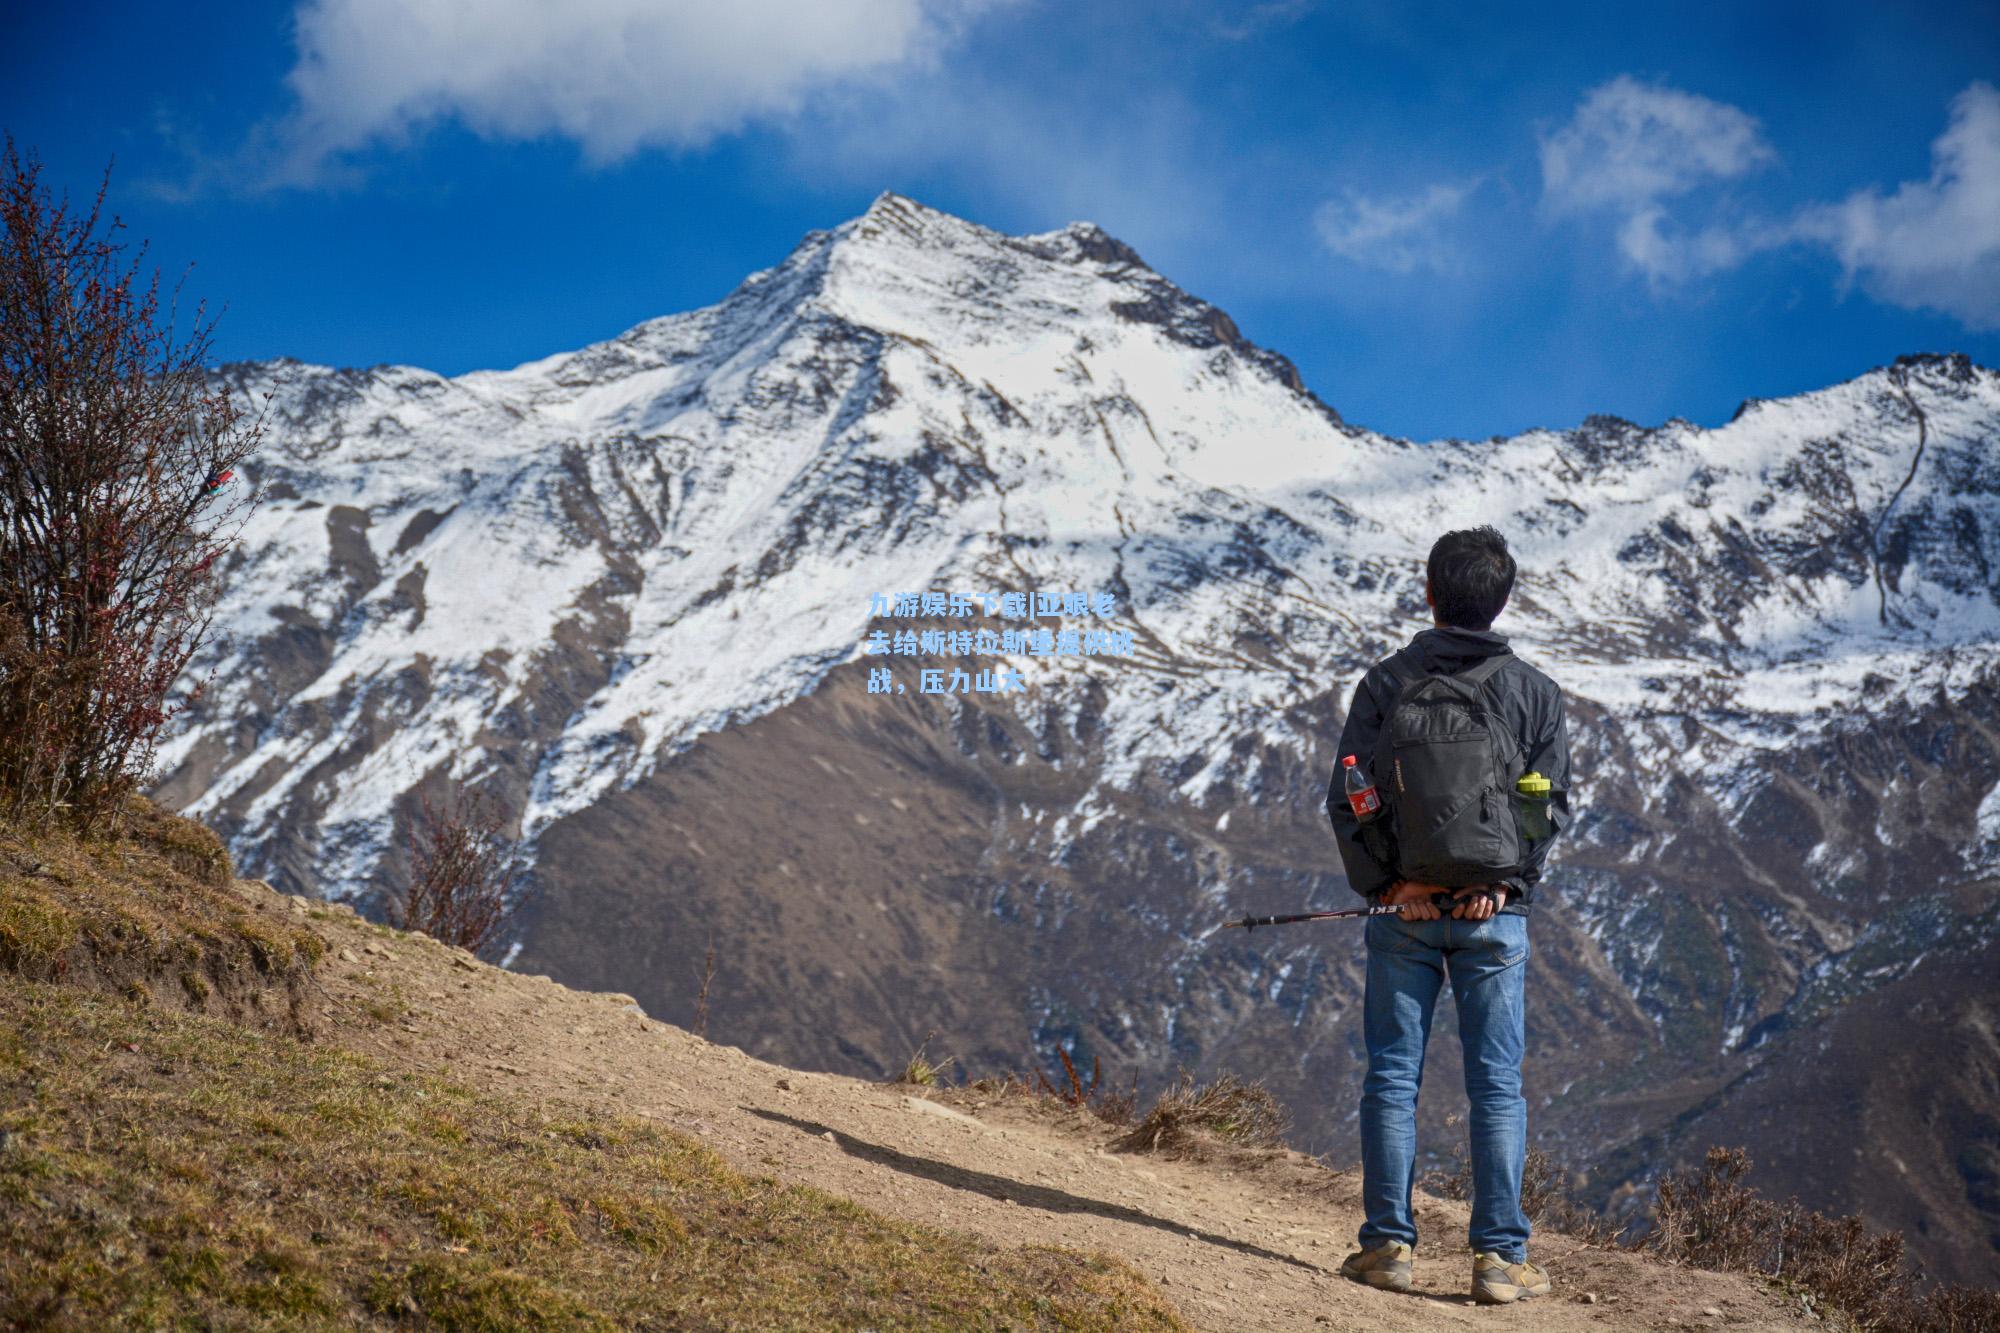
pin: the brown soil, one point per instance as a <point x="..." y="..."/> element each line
<point x="1251" y="1242"/>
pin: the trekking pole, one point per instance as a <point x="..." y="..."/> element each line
<point x="1376" y="909"/>
<point x="1252" y="922"/>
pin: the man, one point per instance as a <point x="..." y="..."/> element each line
<point x="1482" y="944"/>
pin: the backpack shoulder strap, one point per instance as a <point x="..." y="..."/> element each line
<point x="1398" y="676"/>
<point x="1476" y="677"/>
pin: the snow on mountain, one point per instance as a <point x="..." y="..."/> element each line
<point x="704" y="506"/>
<point x="1983" y="854"/>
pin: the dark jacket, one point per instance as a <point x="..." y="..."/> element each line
<point x="1530" y="702"/>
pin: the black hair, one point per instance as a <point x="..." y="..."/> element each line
<point x="1471" y="577"/>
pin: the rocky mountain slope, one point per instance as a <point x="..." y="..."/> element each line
<point x="627" y="590"/>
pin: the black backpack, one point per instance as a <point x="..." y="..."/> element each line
<point x="1446" y="766"/>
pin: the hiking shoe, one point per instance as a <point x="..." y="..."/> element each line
<point x="1386" y="1266"/>
<point x="1497" y="1282"/>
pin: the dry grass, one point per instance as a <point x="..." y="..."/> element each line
<point x="167" y="1168"/>
<point x="1190" y="1117"/>
<point x="143" y="908"/>
<point x="922" y="1071"/>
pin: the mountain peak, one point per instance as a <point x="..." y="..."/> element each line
<point x="903" y="220"/>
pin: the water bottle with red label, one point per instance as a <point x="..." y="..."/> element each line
<point x="1361" y="794"/>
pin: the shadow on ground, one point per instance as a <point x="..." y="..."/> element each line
<point x="1005" y="1190"/>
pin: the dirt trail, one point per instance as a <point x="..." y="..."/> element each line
<point x="1237" y="1247"/>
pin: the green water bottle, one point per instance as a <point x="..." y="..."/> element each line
<point x="1531" y="804"/>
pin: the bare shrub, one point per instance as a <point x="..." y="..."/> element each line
<point x="1709" y="1218"/>
<point x="1952" y="1309"/>
<point x="701" y="1000"/>
<point x="1189" y="1114"/>
<point x="465" y="874"/>
<point x="1114" y="1107"/>
<point x="114" y="445"/>
<point x="1098" y="1098"/>
<point x="1548" y="1198"/>
<point x="1076" y="1094"/>
<point x="1105" y="1103"/>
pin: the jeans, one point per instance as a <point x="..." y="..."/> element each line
<point x="1407" y="964"/>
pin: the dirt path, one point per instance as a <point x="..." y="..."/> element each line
<point x="1243" y="1247"/>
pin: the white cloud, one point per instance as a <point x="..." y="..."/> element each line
<point x="1399" y="235"/>
<point x="1668" y="253"/>
<point x="1631" y="143"/>
<point x="1262" y="18"/>
<point x="1933" y="243"/>
<point x="615" y="76"/>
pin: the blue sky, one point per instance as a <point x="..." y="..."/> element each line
<point x="1456" y="219"/>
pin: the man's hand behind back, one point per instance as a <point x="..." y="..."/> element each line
<point x="1479" y="902"/>
<point x="1468" y="904"/>
<point x="1414" y="899"/>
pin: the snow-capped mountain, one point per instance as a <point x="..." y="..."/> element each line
<point x="629" y="590"/>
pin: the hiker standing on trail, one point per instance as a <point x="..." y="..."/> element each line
<point x="1458" y="735"/>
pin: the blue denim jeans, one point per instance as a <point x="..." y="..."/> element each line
<point x="1408" y="962"/>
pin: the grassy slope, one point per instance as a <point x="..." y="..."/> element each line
<point x="146" y="908"/>
<point x="161" y="1165"/>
